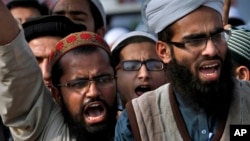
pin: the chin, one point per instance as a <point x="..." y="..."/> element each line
<point x="212" y="93"/>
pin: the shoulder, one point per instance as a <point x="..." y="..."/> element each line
<point x="242" y="86"/>
<point x="123" y="128"/>
<point x="242" y="92"/>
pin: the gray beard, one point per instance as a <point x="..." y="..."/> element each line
<point x="213" y="97"/>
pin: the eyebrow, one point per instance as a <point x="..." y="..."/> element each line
<point x="87" y="78"/>
<point x="101" y="75"/>
<point x="202" y="35"/>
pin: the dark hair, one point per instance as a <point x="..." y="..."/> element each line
<point x="235" y="64"/>
<point x="130" y="40"/>
<point x="238" y="60"/>
<point x="166" y="34"/>
<point x="57" y="71"/>
<point x="41" y="7"/>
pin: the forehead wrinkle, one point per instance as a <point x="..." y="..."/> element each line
<point x="142" y="56"/>
<point x="136" y="51"/>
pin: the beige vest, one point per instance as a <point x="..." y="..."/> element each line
<point x="152" y="118"/>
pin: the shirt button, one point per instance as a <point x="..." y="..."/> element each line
<point x="203" y="131"/>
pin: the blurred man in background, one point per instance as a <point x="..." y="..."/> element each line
<point x="88" y="12"/>
<point x="27" y="9"/>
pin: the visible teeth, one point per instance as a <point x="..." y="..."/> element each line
<point x="92" y="118"/>
<point x="94" y="105"/>
<point x="210" y="66"/>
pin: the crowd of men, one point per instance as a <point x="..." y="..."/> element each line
<point x="61" y="81"/>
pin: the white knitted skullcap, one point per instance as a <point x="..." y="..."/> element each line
<point x="132" y="34"/>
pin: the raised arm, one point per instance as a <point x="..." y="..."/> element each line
<point x="9" y="28"/>
<point x="26" y="105"/>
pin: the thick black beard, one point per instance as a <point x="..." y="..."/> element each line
<point x="103" y="131"/>
<point x="213" y="97"/>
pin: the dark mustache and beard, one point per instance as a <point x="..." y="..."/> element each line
<point x="82" y="132"/>
<point x="213" y="97"/>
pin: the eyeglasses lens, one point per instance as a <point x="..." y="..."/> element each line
<point x="152" y="65"/>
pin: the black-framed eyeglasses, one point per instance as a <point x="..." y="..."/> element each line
<point x="218" y="38"/>
<point x="80" y="85"/>
<point x="135" y="65"/>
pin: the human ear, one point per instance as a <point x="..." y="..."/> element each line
<point x="227" y="26"/>
<point x="56" y="95"/>
<point x="242" y="72"/>
<point x="163" y="51"/>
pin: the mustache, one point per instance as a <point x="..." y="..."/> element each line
<point x="207" y="58"/>
<point x="90" y="100"/>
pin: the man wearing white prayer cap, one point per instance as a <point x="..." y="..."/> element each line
<point x="137" y="65"/>
<point x="202" y="99"/>
<point x="88" y="12"/>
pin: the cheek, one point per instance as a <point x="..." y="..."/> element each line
<point x="187" y="59"/>
<point x="109" y="95"/>
<point x="125" y="85"/>
<point x="73" y="102"/>
<point x="90" y="25"/>
<point x="124" y="81"/>
<point x="158" y="79"/>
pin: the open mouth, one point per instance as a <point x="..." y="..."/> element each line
<point x="142" y="89"/>
<point x="95" y="112"/>
<point x="209" y="72"/>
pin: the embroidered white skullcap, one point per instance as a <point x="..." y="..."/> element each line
<point x="162" y="13"/>
<point x="132" y="34"/>
<point x="99" y="6"/>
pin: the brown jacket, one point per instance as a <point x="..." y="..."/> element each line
<point x="153" y="116"/>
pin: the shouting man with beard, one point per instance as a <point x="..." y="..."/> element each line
<point x="84" y="87"/>
<point x="84" y="80"/>
<point x="202" y="99"/>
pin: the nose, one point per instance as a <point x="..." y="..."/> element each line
<point x="45" y="68"/>
<point x="210" y="48"/>
<point x="93" y="91"/>
<point x="143" y="73"/>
